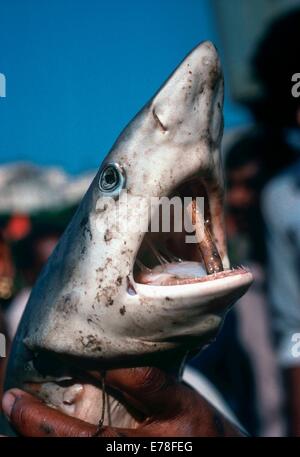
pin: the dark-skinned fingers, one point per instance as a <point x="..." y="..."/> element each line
<point x="148" y="389"/>
<point x="32" y="418"/>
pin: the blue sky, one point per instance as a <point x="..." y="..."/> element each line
<point x="78" y="70"/>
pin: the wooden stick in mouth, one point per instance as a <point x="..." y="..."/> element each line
<point x="205" y="242"/>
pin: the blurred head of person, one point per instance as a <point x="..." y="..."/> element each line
<point x="275" y="61"/>
<point x="244" y="181"/>
<point x="265" y="150"/>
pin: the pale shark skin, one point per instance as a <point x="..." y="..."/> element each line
<point x="80" y="306"/>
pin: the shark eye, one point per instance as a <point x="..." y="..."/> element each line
<point x="112" y="178"/>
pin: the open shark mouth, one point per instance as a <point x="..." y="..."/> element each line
<point x="166" y="258"/>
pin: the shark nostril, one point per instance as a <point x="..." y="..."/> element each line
<point x="161" y="126"/>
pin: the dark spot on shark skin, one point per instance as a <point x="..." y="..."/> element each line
<point x="91" y="342"/>
<point x="68" y="304"/>
<point x="101" y="269"/>
<point x="95" y="318"/>
<point x="119" y="280"/>
<point x="122" y="310"/>
<point x="214" y="76"/>
<point x="126" y="251"/>
<point x="108" y="236"/>
<point x="109" y="302"/>
<point x="101" y="210"/>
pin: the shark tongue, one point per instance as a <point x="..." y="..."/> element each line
<point x="171" y="273"/>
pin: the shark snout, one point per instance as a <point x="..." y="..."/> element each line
<point x="181" y="105"/>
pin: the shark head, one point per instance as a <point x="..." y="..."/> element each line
<point x="115" y="293"/>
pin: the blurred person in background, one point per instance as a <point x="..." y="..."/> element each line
<point x="276" y="63"/>
<point x="258" y="157"/>
<point x="281" y="204"/>
<point x="268" y="148"/>
<point x="243" y="363"/>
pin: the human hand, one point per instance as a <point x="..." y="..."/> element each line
<point x="170" y="409"/>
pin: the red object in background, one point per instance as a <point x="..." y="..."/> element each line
<point x="18" y="227"/>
